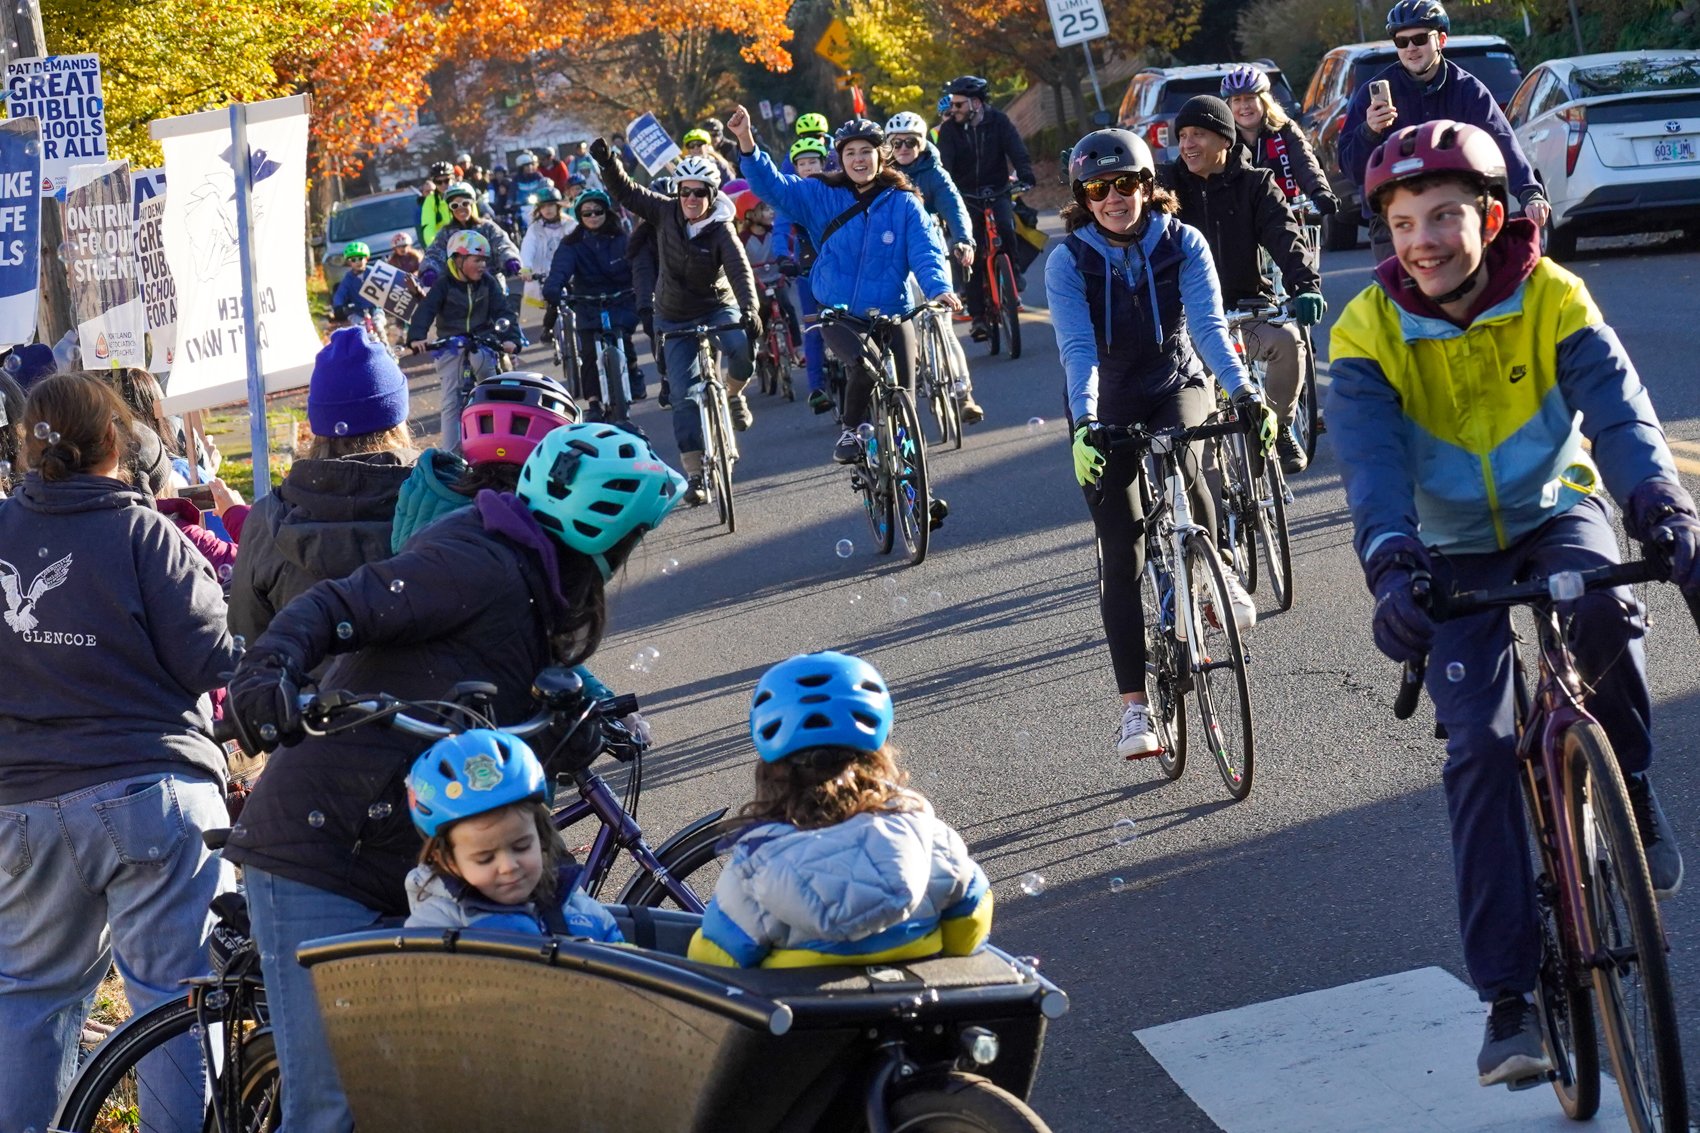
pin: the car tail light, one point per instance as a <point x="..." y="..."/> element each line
<point x="1575" y="126"/>
<point x="1157" y="135"/>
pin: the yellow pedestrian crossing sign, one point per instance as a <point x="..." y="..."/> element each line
<point x="834" y="44"/>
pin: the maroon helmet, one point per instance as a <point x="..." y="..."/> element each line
<point x="1440" y="146"/>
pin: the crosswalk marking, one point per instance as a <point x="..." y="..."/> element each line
<point x="1394" y="1054"/>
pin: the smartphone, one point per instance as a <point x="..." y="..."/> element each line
<point x="201" y="495"/>
<point x="1381" y="91"/>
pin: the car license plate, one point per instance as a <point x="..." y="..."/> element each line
<point x="1674" y="149"/>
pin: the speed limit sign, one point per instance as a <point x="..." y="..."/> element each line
<point x="1077" y="21"/>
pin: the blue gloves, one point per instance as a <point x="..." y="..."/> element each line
<point x="1657" y="502"/>
<point x="1403" y="629"/>
<point x="1308" y="308"/>
<point x="427" y="276"/>
<point x="510" y="267"/>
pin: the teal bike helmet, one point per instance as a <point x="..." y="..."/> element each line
<point x="473" y="773"/>
<point x="819" y="700"/>
<point x="590" y="486"/>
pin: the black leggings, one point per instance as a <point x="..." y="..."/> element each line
<point x="846" y="346"/>
<point x="1119" y="516"/>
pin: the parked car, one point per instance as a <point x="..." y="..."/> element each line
<point x="1344" y="69"/>
<point x="373" y="220"/>
<point x="1615" y="138"/>
<point x="1157" y="94"/>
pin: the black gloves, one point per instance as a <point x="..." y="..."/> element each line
<point x="601" y="153"/>
<point x="264" y="699"/>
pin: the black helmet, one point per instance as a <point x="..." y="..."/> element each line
<point x="442" y="169"/>
<point x="1103" y="153"/>
<point x="858" y="130"/>
<point x="967" y="86"/>
<point x="1418" y="14"/>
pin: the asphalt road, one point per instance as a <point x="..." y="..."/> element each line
<point x="1335" y="870"/>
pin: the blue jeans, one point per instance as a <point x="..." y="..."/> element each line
<point x="682" y="370"/>
<point x="124" y="856"/>
<point x="284" y="914"/>
<point x="1490" y="843"/>
<point x="814" y="350"/>
<point x="452" y="399"/>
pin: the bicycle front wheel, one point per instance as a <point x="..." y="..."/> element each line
<point x="1165" y="691"/>
<point x="611" y="363"/>
<point x="911" y="500"/>
<point x="1632" y="988"/>
<point x="1270" y="489"/>
<point x="1009" y="305"/>
<point x="963" y="1103"/>
<point x="1218" y="662"/>
<point x="717" y="463"/>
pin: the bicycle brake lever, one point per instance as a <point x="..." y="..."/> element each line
<point x="1411" y="679"/>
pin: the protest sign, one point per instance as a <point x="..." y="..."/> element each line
<point x="20" y="229"/>
<point x="202" y="246"/>
<point x="387" y="286"/>
<point x="651" y="143"/>
<point x="100" y="265"/>
<point x="159" y="293"/>
<point x="63" y="92"/>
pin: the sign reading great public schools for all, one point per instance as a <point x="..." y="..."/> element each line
<point x="64" y="92"/>
<point x="1076" y="21"/>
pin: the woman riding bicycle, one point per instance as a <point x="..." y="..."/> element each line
<point x="1131" y="291"/>
<point x="493" y="592"/>
<point x="593" y="260"/>
<point x="472" y="301"/>
<point x="1276" y="142"/>
<point x="543" y="235"/>
<point x="870" y="233"/>
<point x="703" y="278"/>
<point x="465" y="218"/>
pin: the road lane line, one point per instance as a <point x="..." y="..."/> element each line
<point x="1393" y="1053"/>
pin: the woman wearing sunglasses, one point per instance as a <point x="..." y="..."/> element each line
<point x="1132" y="290"/>
<point x="593" y="259"/>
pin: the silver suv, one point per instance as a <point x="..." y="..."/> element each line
<point x="1157" y="94"/>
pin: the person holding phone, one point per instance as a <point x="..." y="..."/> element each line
<point x="1424" y="86"/>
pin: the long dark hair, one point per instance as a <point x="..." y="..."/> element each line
<point x="582" y="585"/>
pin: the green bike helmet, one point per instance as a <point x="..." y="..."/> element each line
<point x="812" y="124"/>
<point x="697" y="136"/>
<point x="460" y="189"/>
<point x="591" y="486"/>
<point x="354" y="249"/>
<point x="802" y="146"/>
<point x="593" y="197"/>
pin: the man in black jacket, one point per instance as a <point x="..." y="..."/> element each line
<point x="1239" y="208"/>
<point x="978" y="147"/>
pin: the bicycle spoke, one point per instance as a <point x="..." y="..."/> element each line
<point x="1224" y="697"/>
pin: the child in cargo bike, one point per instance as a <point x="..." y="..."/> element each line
<point x="841" y="863"/>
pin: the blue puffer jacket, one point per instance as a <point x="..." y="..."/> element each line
<point x="593" y="263"/>
<point x="939" y="194"/>
<point x="868" y="261"/>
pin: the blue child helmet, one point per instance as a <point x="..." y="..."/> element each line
<point x="473" y="773"/>
<point x="819" y="700"/>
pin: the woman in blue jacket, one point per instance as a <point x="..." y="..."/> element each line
<point x="1131" y="290"/>
<point x="591" y="260"/>
<point x="866" y="262"/>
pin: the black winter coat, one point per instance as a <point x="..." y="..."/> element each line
<point x="331" y="812"/>
<point x="1240" y="210"/>
<point x="979" y="157"/>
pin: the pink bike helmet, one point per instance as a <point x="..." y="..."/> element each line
<point x="508" y="414"/>
<point x="1440" y="146"/>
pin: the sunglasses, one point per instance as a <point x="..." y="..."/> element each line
<point x="906" y="143"/>
<point x="1415" y="39"/>
<point x="441" y="181"/>
<point x="593" y="212"/>
<point x="1125" y="184"/>
<point x="460" y="203"/>
<point x="702" y="194"/>
<point x="959" y="104"/>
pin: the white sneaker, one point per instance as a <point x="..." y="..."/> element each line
<point x="1245" y="610"/>
<point x="1138" y="738"/>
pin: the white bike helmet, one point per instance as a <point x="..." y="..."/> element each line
<point x="697" y="169"/>
<point x="906" y="122"/>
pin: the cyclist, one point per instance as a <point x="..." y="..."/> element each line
<point x="580" y="162"/>
<point x="433" y="206"/>
<point x="500" y="197"/>
<point x="467" y="300"/>
<point x="1276" y="142"/>
<point x="699" y="143"/>
<point x="1133" y="303"/>
<point x="537" y="252"/>
<point x="808" y="158"/>
<point x="552" y="168"/>
<point x="840" y="861"/>
<point x="870" y="233"/>
<point x="593" y="259"/>
<point x="527" y="188"/>
<point x="979" y="146"/>
<point x="811" y="127"/>
<point x="756" y="227"/>
<point x="702" y="278"/>
<point x="916" y="157"/>
<point x="404" y="257"/>
<point x="347" y="304"/>
<point x="1467" y="380"/>
<point x="493" y="592"/>
<point x="1239" y="209"/>
<point x="1426" y="86"/>
<point x="463" y="205"/>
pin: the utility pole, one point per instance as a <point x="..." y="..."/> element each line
<point x="22" y="37"/>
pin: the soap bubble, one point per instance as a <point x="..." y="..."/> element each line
<point x="864" y="432"/>
<point x="900" y="605"/>
<point x="341" y="428"/>
<point x="1123" y="831"/>
<point x="315" y="818"/>
<point x="239" y="642"/>
<point x="1033" y="884"/>
<point x="844" y="548"/>
<point x="53" y="438"/>
<point x="397" y="585"/>
<point x="13" y="363"/>
<point x="643" y="661"/>
<point x="1035" y="424"/>
<point x="890" y="584"/>
<point x="225" y="572"/>
<point x="5" y="468"/>
<point x="933" y="599"/>
<point x="671" y="566"/>
<point x="42" y="428"/>
<point x="41" y="552"/>
<point x="379" y="811"/>
<point x="1455" y="672"/>
<point x="344" y="630"/>
<point x="1117" y="885"/>
<point x="31" y="148"/>
<point x="268" y="733"/>
<point x="856" y="598"/>
<point x="1022" y="740"/>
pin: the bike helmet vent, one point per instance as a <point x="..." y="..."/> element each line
<point x="819" y="700"/>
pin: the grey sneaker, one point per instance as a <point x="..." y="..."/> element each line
<point x="848" y="450"/>
<point x="1137" y="738"/>
<point x="1658" y="841"/>
<point x="1512" y="1052"/>
<point x="1293" y="458"/>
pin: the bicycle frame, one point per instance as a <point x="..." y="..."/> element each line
<point x="618" y="830"/>
<point x="612" y="344"/>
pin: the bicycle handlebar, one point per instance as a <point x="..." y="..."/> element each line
<point x="700" y="331"/>
<point x="1271" y="314"/>
<point x="1117" y="438"/>
<point x="873" y="320"/>
<point x="597" y="298"/>
<point x="486" y="339"/>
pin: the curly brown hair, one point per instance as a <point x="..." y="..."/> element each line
<point x="1075" y="214"/>
<point x="823" y="786"/>
<point x="438" y="852"/>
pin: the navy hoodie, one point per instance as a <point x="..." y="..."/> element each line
<point x="114" y="632"/>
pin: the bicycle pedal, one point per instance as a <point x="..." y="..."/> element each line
<point x="1516" y="1085"/>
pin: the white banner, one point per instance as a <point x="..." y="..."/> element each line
<point x="159" y="293"/>
<point x="100" y="264"/>
<point x="210" y="362"/>
<point x="64" y="92"/>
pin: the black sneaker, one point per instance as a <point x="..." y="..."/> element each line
<point x="1512" y="1052"/>
<point x="848" y="450"/>
<point x="1658" y="842"/>
<point x="742" y="418"/>
<point x="1293" y="458"/>
<point x="664" y="399"/>
<point x="980" y="333"/>
<point x="640" y="389"/>
<point x="695" y="495"/>
<point x="936" y="513"/>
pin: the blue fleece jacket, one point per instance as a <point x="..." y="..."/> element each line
<point x="868" y="261"/>
<point x="347" y="293"/>
<point x="939" y="194"/>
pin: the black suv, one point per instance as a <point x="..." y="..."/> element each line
<point x="1344" y="69"/>
<point x="1157" y="94"/>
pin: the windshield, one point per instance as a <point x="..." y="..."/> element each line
<point x="1638" y="76"/>
<point x="1497" y="69"/>
<point x="363" y="218"/>
<point x="1177" y="91"/>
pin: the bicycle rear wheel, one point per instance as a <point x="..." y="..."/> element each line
<point x="911" y="499"/>
<point x="932" y="383"/>
<point x="1009" y="305"/>
<point x="611" y="364"/>
<point x="1305" y="429"/>
<point x="949" y="373"/>
<point x="1632" y="988"/>
<point x="1270" y="489"/>
<point x="1218" y="660"/>
<point x="717" y="463"/>
<point x="1239" y="510"/>
<point x="1164" y="681"/>
<point x="963" y="1103"/>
